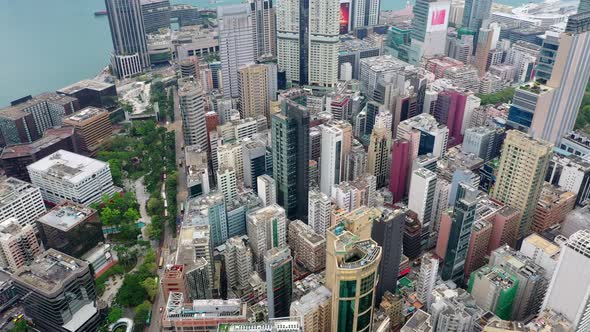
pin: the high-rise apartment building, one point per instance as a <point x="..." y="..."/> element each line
<point x="18" y="244"/>
<point x="314" y="310"/>
<point x="20" y="200"/>
<point x="425" y="135"/>
<point x="307" y="246"/>
<point x="352" y="265"/>
<point x="463" y="216"/>
<point x="387" y="231"/>
<point x="307" y="41"/>
<point x="254" y="100"/>
<point x="364" y="13"/>
<point x="209" y="210"/>
<point x="494" y="289"/>
<point x="427" y="278"/>
<point x="196" y="254"/>
<point x="92" y="127"/>
<point x="267" y="189"/>
<point x="519" y="183"/>
<point x="192" y="109"/>
<point x="379" y="152"/>
<point x="227" y="183"/>
<point x="569" y="289"/>
<point x="130" y="56"/>
<point x="290" y="158"/>
<point x="64" y="175"/>
<point x="58" y="293"/>
<point x="320" y="209"/>
<point x="236" y="44"/>
<point x="279" y="281"/>
<point x="267" y="229"/>
<point x="238" y="263"/>
<point x="570" y="70"/>
<point x="542" y="252"/>
<point x="264" y="21"/>
<point x="552" y="207"/>
<point x="487" y="41"/>
<point x="335" y="146"/>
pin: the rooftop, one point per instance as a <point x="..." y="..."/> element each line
<point x="9" y="228"/>
<point x="178" y="309"/>
<point x="17" y="111"/>
<point x="84" y="114"/>
<point x="85" y="84"/>
<point x="385" y="63"/>
<point x="50" y="137"/>
<point x="12" y="188"/>
<point x="66" y="216"/>
<point x="67" y="166"/>
<point x="312" y="300"/>
<point x="540" y="242"/>
<point x="50" y="272"/>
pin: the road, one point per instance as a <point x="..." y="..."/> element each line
<point x="176" y="126"/>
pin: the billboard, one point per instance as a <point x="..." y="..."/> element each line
<point x="438" y="16"/>
<point x="344" y="17"/>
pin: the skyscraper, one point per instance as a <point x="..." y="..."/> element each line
<point x="475" y="12"/>
<point x="238" y="262"/>
<point x="429" y="29"/>
<point x="569" y="290"/>
<point x="427" y="278"/>
<point x="279" y="281"/>
<point x="236" y="44"/>
<point x="267" y="229"/>
<point x="379" y="152"/>
<point x="253" y="90"/>
<point x="130" y="55"/>
<point x="264" y="18"/>
<point x="487" y="40"/>
<point x="290" y="157"/>
<point x="192" y="109"/>
<point x="422" y="200"/>
<point x="519" y="183"/>
<point x="584" y="6"/>
<point x="571" y="72"/>
<point x="387" y="231"/>
<point x="365" y="13"/>
<point x="352" y="265"/>
<point x="463" y="216"/>
<point x="307" y="41"/>
<point x="332" y="157"/>
<point x="320" y="208"/>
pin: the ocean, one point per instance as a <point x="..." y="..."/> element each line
<point x="48" y="44"/>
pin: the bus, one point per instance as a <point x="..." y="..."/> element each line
<point x="161" y="263"/>
<point x="148" y="319"/>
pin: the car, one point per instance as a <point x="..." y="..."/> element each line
<point x="161" y="309"/>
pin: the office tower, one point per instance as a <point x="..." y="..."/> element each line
<point x="532" y="283"/>
<point x="92" y="126"/>
<point x="584" y="6"/>
<point x="290" y="158"/>
<point x="254" y="162"/>
<point x="421" y="200"/>
<point x="209" y="210"/>
<point x="569" y="289"/>
<point x="58" y="294"/>
<point x="352" y="265"/>
<point x="315" y="143"/>
<point x="192" y="109"/>
<point x="227" y="183"/>
<point x="314" y="309"/>
<point x="230" y="155"/>
<point x="20" y="200"/>
<point x="307" y="41"/>
<point x="519" y="184"/>
<point x="364" y="13"/>
<point x="70" y="228"/>
<point x="449" y="110"/>
<point x="528" y="100"/>
<point x="190" y="67"/>
<point x="487" y="40"/>
<point x="334" y="149"/>
<point x="267" y="229"/>
<point x="130" y="56"/>
<point x="427" y="278"/>
<point x="15" y="158"/>
<point x="236" y="44"/>
<point x="238" y="209"/>
<point x="308" y="247"/>
<point x="494" y="289"/>
<point x="429" y="29"/>
<point x="552" y="207"/>
<point x="379" y="153"/>
<point x="156" y="14"/>
<point x="195" y="253"/>
<point x="64" y="175"/>
<point x="264" y="16"/>
<point x="400" y="161"/>
<point x="425" y="135"/>
<point x="18" y="245"/>
<point x="463" y="216"/>
<point x="461" y="175"/>
<point x="387" y="231"/>
<point x="475" y="13"/>
<point x="542" y="252"/>
<point x="197" y="170"/>
<point x="480" y="141"/>
<point x="254" y="100"/>
<point x="27" y="119"/>
<point x="320" y="208"/>
<point x="238" y="263"/>
<point x="547" y="57"/>
<point x="279" y="281"/>
<point x="91" y="92"/>
<point x="267" y="189"/>
<point x="571" y="69"/>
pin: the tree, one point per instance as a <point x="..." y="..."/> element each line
<point x="155" y="206"/>
<point x="130" y="216"/>
<point x="141" y="314"/>
<point x="109" y="216"/>
<point x="131" y="293"/>
<point x="115" y="313"/>
<point x="503" y="96"/>
<point x="151" y="287"/>
<point x="20" y="326"/>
